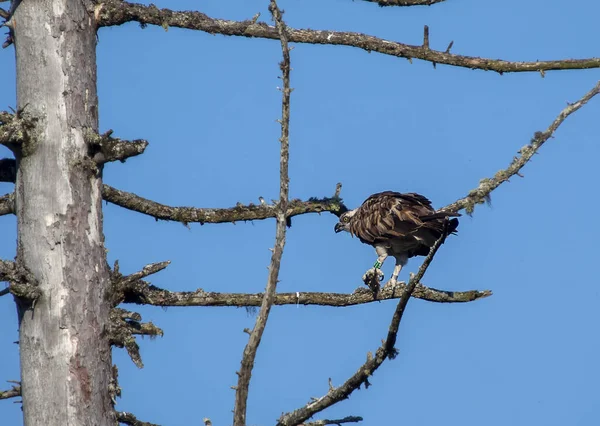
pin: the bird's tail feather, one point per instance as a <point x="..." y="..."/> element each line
<point x="438" y="215"/>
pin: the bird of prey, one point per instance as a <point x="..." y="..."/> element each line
<point x="398" y="225"/>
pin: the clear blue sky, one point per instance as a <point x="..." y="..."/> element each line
<point x="208" y="105"/>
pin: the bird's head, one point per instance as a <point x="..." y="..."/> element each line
<point x="344" y="223"/>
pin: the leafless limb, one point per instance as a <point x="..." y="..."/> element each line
<point x="129" y="419"/>
<point x="7" y="204"/>
<point x="117" y="12"/>
<point x="123" y="325"/>
<point x="106" y="148"/>
<point x="482" y="193"/>
<point x="386" y="350"/>
<point x="12" y="393"/>
<point x="245" y="373"/>
<point x="14" y="130"/>
<point x="142" y="293"/>
<point x="4" y="14"/>
<point x="186" y="215"/>
<point x="208" y="215"/>
<point x="348" y="419"/>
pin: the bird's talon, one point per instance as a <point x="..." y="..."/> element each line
<point x="391" y="283"/>
<point x="370" y="274"/>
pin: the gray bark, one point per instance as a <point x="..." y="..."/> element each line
<point x="65" y="353"/>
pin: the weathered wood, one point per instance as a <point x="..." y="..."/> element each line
<point x="65" y="352"/>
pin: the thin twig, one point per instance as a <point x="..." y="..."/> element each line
<point x="117" y="12"/>
<point x="481" y="194"/>
<point x="386" y="350"/>
<point x="245" y="373"/>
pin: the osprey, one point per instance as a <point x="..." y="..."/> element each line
<point x="398" y="225"/>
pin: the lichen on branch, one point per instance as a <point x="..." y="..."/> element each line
<point x="105" y="148"/>
<point x="238" y="213"/>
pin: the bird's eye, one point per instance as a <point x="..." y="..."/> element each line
<point x="345" y="219"/>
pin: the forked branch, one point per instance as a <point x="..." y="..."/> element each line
<point x="117" y="12"/>
<point x="123" y="325"/>
<point x="245" y="373"/>
<point x="482" y="193"/>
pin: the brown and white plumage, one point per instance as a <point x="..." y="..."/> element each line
<point x="398" y="225"/>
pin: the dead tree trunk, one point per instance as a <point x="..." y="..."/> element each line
<point x="65" y="352"/>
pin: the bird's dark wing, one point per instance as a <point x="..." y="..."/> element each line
<point x="390" y="215"/>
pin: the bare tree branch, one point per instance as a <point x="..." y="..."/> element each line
<point x="348" y="419"/>
<point x="245" y="373"/>
<point x="104" y="148"/>
<point x="207" y="215"/>
<point x="129" y="419"/>
<point x="487" y="185"/>
<point x="142" y="293"/>
<point x="107" y="148"/>
<point x="121" y="285"/>
<point x="386" y="350"/>
<point x="7" y="204"/>
<point x="12" y="393"/>
<point x="116" y="12"/>
<point x="123" y="325"/>
<point x="186" y="215"/>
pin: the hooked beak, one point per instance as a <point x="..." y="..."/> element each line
<point x="338" y="227"/>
